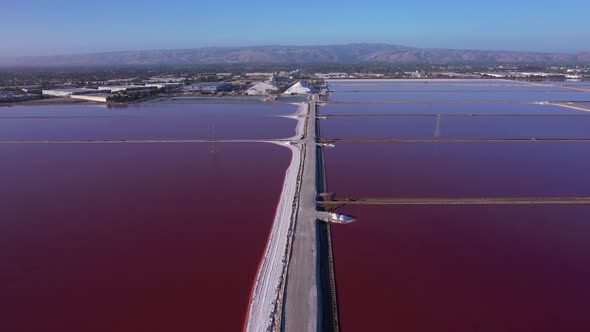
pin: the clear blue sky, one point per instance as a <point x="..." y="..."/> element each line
<point x="44" y="27"/>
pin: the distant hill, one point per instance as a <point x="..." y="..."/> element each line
<point x="352" y="53"/>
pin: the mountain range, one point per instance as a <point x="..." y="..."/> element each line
<point x="344" y="54"/>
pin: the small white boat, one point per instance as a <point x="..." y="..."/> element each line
<point x="336" y="218"/>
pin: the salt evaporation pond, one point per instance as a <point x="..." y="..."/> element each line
<point x="434" y="108"/>
<point x="457" y="127"/>
<point x="429" y="87"/>
<point x="161" y="110"/>
<point x="153" y="122"/>
<point x="460" y="268"/>
<point x="422" y="82"/>
<point x="142" y="237"/>
<point x="135" y="237"/>
<point x="451" y="90"/>
<point x="208" y="99"/>
<point x="569" y="95"/>
<point x="463" y="268"/>
<point x="583" y="84"/>
<point x="456" y="84"/>
<point x="459" y="169"/>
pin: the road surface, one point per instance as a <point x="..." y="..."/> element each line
<point x="302" y="298"/>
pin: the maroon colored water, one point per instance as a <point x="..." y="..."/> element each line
<point x="119" y="128"/>
<point x="137" y="122"/>
<point x="458" y="169"/>
<point x="451" y="268"/>
<point x="143" y="237"/>
<point x="460" y="268"/>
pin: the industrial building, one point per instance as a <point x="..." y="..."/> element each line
<point x="333" y="76"/>
<point x="167" y="86"/>
<point x="68" y="92"/>
<point x="7" y="97"/>
<point x="167" y="79"/>
<point x="100" y="98"/>
<point x="124" y="88"/>
<point x="33" y="89"/>
<point x="209" y="87"/>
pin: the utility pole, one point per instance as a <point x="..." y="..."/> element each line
<point x="213" y="150"/>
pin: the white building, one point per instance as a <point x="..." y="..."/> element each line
<point x="300" y="88"/>
<point x="333" y="76"/>
<point x="122" y="88"/>
<point x="123" y="80"/>
<point x="67" y="92"/>
<point x="259" y="74"/>
<point x="167" y="79"/>
<point x="165" y="85"/>
<point x="209" y="87"/>
<point x="101" y="98"/>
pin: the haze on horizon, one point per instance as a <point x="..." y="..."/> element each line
<point x="71" y="27"/>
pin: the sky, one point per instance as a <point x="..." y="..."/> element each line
<point x="44" y="27"/>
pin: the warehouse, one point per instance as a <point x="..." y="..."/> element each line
<point x="7" y="97"/>
<point x="167" y="86"/>
<point x="100" y="98"/>
<point x="123" y="88"/>
<point x="209" y="87"/>
<point x="68" y="92"/>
